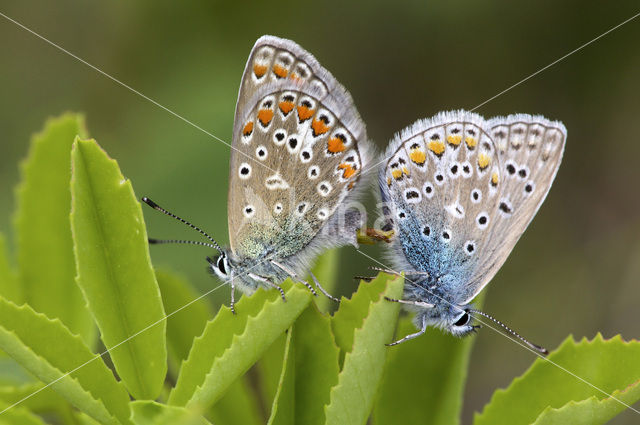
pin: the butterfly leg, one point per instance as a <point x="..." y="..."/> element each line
<point x="233" y="295"/>
<point x="411" y="336"/>
<point x="269" y="283"/>
<point x="279" y="288"/>
<point x="295" y="277"/>
<point x="326" y="294"/>
<point x="309" y="287"/>
<point x="365" y="278"/>
<point x="389" y="271"/>
<point x="408" y="302"/>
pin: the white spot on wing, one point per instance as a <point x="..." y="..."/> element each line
<point x="249" y="211"/>
<point x="275" y="181"/>
<point x="455" y="210"/>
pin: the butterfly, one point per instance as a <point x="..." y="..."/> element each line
<point x="298" y="150"/>
<point x="458" y="191"/>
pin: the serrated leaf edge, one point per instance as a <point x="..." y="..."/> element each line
<point x="357" y="331"/>
<point x="238" y="337"/>
<point x="584" y="341"/>
<point x="224" y="313"/>
<point x="63" y="376"/>
<point x="55" y="322"/>
<point x="123" y="319"/>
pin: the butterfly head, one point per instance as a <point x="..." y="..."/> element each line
<point x="460" y="325"/>
<point x="454" y="319"/>
<point x="220" y="265"/>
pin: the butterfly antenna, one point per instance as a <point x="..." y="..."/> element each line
<point x="157" y="207"/>
<point x="163" y="241"/>
<point x="531" y="345"/>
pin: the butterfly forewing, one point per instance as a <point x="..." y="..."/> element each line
<point x="530" y="151"/>
<point x="273" y="60"/>
<point x="298" y="158"/>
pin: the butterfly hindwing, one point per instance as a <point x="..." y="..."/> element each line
<point x="530" y="149"/>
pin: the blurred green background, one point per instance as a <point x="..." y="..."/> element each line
<point x="575" y="271"/>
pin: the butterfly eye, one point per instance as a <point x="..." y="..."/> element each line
<point x="220" y="265"/>
<point x="463" y="320"/>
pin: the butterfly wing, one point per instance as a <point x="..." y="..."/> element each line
<point x="299" y="149"/>
<point x="530" y="150"/>
<point x="441" y="176"/>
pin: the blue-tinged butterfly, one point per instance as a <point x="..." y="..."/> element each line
<point x="458" y="191"/>
<point x="298" y="151"/>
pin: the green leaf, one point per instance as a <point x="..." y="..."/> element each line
<point x="114" y="269"/>
<point x="48" y="350"/>
<point x="18" y="416"/>
<point x="80" y="418"/>
<point x="326" y="271"/>
<point x="282" y="408"/>
<point x="9" y="288"/>
<point x="547" y="394"/>
<point x="46" y="267"/>
<point x="353" y="311"/>
<point x="33" y="396"/>
<point x="152" y="413"/>
<point x="238" y="405"/>
<point x="311" y="360"/>
<point x="427" y="375"/>
<point x="186" y="316"/>
<point x="268" y="370"/>
<point x="11" y="373"/>
<point x="38" y="399"/>
<point x="352" y="399"/>
<point x="230" y="344"/>
<point x="316" y="365"/>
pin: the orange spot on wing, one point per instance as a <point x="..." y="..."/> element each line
<point x="483" y="161"/>
<point x="335" y="145"/>
<point x="279" y="71"/>
<point x="388" y="181"/>
<point x="418" y="156"/>
<point x="248" y="128"/>
<point x="259" y="70"/>
<point x="454" y="139"/>
<point x="319" y="127"/>
<point x="494" y="179"/>
<point x="286" y="106"/>
<point x="404" y="170"/>
<point x="471" y="142"/>
<point x="437" y="147"/>
<point x="265" y="116"/>
<point x="293" y="76"/>
<point x="304" y="113"/>
<point x="397" y="174"/>
<point x="348" y="170"/>
<point x="350" y="185"/>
